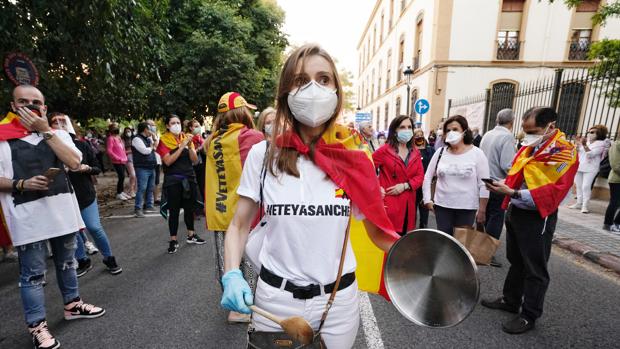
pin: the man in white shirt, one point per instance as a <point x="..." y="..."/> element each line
<point x="499" y="147"/>
<point x="29" y="150"/>
<point x="144" y="161"/>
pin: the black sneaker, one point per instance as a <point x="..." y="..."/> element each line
<point x="518" y="325"/>
<point x="500" y="304"/>
<point x="195" y="239"/>
<point x="84" y="266"/>
<point x="173" y="246"/>
<point x="42" y="338"/>
<point x="113" y="268"/>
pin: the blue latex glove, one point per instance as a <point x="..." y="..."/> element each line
<point x="237" y="293"/>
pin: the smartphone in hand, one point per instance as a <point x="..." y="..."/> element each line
<point x="488" y="181"/>
<point x="52" y="172"/>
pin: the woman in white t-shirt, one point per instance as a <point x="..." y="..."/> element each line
<point x="592" y="149"/>
<point x="307" y="194"/>
<point x="459" y="191"/>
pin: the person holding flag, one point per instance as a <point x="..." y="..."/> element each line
<point x="180" y="189"/>
<point x="541" y="176"/>
<point x="227" y="149"/>
<point x="309" y="182"/>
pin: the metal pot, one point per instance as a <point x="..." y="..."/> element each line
<point x="431" y="278"/>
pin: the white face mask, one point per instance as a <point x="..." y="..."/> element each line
<point x="269" y="129"/>
<point x="312" y="104"/>
<point x="453" y="137"/>
<point x="530" y="140"/>
<point x="175" y="129"/>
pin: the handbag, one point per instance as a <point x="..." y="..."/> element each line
<point x="434" y="180"/>
<point x="480" y="245"/>
<point x="277" y="340"/>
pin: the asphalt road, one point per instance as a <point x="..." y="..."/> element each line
<point x="172" y="301"/>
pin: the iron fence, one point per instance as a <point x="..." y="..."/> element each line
<point x="582" y="97"/>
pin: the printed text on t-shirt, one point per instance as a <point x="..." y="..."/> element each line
<point x="308" y="210"/>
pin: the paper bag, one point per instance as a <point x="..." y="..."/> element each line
<point x="480" y="245"/>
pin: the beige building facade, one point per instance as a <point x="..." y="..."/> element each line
<point x="458" y="48"/>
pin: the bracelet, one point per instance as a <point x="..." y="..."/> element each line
<point x="20" y="184"/>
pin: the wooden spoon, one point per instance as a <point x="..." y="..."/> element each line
<point x="296" y="326"/>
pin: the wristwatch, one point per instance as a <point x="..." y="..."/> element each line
<point x="47" y="135"/>
<point x="516" y="194"/>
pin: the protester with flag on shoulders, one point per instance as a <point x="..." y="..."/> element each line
<point x="541" y="176"/>
<point x="227" y="149"/>
<point x="38" y="209"/>
<point x="309" y="182"/>
<point x="180" y="189"/>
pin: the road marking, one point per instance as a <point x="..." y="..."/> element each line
<point x="133" y="216"/>
<point x="369" y="323"/>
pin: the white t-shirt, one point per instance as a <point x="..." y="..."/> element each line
<point x="591" y="161"/>
<point x="306" y="221"/>
<point x="459" y="179"/>
<point x="36" y="215"/>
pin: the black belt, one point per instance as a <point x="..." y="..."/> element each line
<point x="304" y="292"/>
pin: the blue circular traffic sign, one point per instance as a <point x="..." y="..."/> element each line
<point x="422" y="106"/>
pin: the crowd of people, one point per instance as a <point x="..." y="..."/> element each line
<point x="280" y="175"/>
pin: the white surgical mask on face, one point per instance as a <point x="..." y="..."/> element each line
<point x="268" y="129"/>
<point x="453" y="137"/>
<point x="175" y="129"/>
<point x="312" y="104"/>
<point x="530" y="140"/>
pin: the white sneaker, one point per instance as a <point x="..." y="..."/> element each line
<point x="121" y="197"/>
<point x="575" y="205"/>
<point x="585" y="210"/>
<point x="130" y="195"/>
<point x="615" y="228"/>
<point x="90" y="248"/>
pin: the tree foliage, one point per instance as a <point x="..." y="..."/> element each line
<point x="129" y="59"/>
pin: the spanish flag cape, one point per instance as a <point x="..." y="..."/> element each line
<point x="11" y="128"/>
<point x="226" y="154"/>
<point x="548" y="173"/>
<point x="169" y="142"/>
<point x="344" y="157"/>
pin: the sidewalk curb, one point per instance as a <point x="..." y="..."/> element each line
<point x="604" y="259"/>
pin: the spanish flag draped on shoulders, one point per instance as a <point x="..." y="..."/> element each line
<point x="226" y="154"/>
<point x="344" y="157"/>
<point x="548" y="172"/>
<point x="11" y="128"/>
<point x="169" y="142"/>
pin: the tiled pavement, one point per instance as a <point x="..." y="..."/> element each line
<point x="588" y="228"/>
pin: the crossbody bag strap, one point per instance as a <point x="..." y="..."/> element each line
<point x="438" y="159"/>
<point x="330" y="302"/>
<point x="263" y="174"/>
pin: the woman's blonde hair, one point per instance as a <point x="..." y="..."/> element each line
<point x="260" y="123"/>
<point x="285" y="159"/>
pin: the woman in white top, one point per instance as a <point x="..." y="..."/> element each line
<point x="306" y="211"/>
<point x="459" y="191"/>
<point x="592" y="150"/>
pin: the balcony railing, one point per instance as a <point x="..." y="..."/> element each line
<point x="508" y="50"/>
<point x="578" y="50"/>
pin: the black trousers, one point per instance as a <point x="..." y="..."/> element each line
<point x="176" y="201"/>
<point x="120" y="172"/>
<point x="422" y="210"/>
<point x="614" y="204"/>
<point x="528" y="246"/>
<point x="448" y="218"/>
<point x="495" y="215"/>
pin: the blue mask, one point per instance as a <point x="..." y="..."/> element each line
<point x="404" y="136"/>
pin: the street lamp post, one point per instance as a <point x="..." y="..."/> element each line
<point x="408" y="75"/>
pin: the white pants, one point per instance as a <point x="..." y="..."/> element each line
<point x="340" y="328"/>
<point x="583" y="183"/>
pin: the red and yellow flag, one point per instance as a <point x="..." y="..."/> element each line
<point x="226" y="155"/>
<point x="11" y="128"/>
<point x="5" y="238"/>
<point x="168" y="142"/>
<point x="345" y="158"/>
<point x="548" y="173"/>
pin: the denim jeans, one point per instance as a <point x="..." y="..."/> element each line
<point x="90" y="216"/>
<point x="146" y="184"/>
<point x="32" y="270"/>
